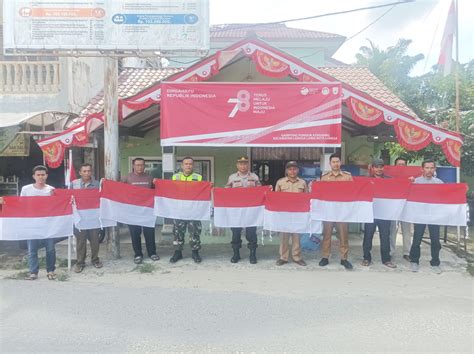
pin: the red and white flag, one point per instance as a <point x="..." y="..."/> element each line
<point x="86" y="208"/>
<point x="183" y="200"/>
<point x="403" y="172"/>
<point x="342" y="201"/>
<point x="289" y="212"/>
<point x="70" y="172"/>
<point x="31" y="218"/>
<point x="131" y="205"/>
<point x="390" y="197"/>
<point x="239" y="207"/>
<point x="446" y="55"/>
<point x="436" y="204"/>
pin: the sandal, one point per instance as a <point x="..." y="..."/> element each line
<point x="98" y="264"/>
<point x="51" y="276"/>
<point x="78" y="268"/>
<point x="365" y="263"/>
<point x="32" y="276"/>
<point x="390" y="265"/>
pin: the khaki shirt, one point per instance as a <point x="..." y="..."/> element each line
<point x="286" y="185"/>
<point x="238" y="180"/>
<point x="340" y="176"/>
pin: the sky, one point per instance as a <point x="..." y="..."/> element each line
<point x="421" y="21"/>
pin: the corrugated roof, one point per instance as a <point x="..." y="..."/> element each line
<point x="134" y="80"/>
<point x="362" y="79"/>
<point x="237" y="31"/>
<point x="131" y="81"/>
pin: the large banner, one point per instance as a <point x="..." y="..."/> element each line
<point x="251" y="114"/>
<point x="106" y="25"/>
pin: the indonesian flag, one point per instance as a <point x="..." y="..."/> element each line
<point x="390" y="196"/>
<point x="436" y="204"/>
<point x="128" y="204"/>
<point x="343" y="201"/>
<point x="183" y="200"/>
<point x="86" y="208"/>
<point x="403" y="172"/>
<point x="289" y="212"/>
<point x="70" y="172"/>
<point x="239" y="207"/>
<point x="31" y="218"/>
<point x="446" y="55"/>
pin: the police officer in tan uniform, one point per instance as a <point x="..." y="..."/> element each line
<point x="243" y="178"/>
<point x="291" y="184"/>
<point x="335" y="175"/>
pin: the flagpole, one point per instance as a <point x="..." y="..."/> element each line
<point x="457" y="103"/>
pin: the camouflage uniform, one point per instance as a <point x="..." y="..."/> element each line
<point x="194" y="229"/>
<point x="194" y="226"/>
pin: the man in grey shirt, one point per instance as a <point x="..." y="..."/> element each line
<point x="428" y="167"/>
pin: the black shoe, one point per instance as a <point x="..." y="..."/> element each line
<point x="236" y="257"/>
<point x="196" y="257"/>
<point x="176" y="256"/>
<point x="346" y="264"/>
<point x="253" y="256"/>
<point x="323" y="262"/>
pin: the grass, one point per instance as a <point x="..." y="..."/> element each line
<point x="19" y="276"/>
<point x="146" y="268"/>
<point x="62" y="276"/>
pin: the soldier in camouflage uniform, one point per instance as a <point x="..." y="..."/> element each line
<point x="193" y="226"/>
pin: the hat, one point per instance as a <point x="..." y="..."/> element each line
<point x="291" y="164"/>
<point x="377" y="162"/>
<point x="243" y="159"/>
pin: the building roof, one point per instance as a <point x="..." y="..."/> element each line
<point x="130" y="82"/>
<point x="362" y="79"/>
<point x="134" y="80"/>
<point x="279" y="31"/>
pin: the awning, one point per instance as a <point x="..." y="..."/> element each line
<point x="38" y="119"/>
<point x="365" y="110"/>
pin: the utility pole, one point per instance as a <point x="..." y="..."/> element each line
<point x="111" y="138"/>
<point x="457" y="104"/>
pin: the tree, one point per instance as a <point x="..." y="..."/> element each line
<point x="430" y="96"/>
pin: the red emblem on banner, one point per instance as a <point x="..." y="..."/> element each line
<point x="411" y="136"/>
<point x="364" y="114"/>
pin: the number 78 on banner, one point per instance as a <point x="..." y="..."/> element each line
<point x="242" y="103"/>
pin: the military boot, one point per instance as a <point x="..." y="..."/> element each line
<point x="176" y="256"/>
<point x="253" y="256"/>
<point x="196" y="256"/>
<point x="236" y="257"/>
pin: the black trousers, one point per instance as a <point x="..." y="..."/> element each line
<point x="149" y="233"/>
<point x="419" y="230"/>
<point x="384" y="232"/>
<point x="250" y="234"/>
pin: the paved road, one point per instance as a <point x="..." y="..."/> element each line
<point x="188" y="308"/>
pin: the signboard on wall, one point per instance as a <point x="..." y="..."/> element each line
<point x="251" y="114"/>
<point x="93" y="25"/>
<point x="19" y="146"/>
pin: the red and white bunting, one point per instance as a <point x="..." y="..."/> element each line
<point x="30" y="218"/>
<point x="436" y="204"/>
<point x="289" y="212"/>
<point x="342" y="201"/>
<point x="183" y="200"/>
<point x="390" y="196"/>
<point x="127" y="204"/>
<point x="239" y="207"/>
<point x="86" y="208"/>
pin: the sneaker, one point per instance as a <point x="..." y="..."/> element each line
<point x="436" y="269"/>
<point x="346" y="264"/>
<point x="78" y="268"/>
<point x="138" y="260"/>
<point x="155" y="257"/>
<point x="414" y="267"/>
<point x="323" y="262"/>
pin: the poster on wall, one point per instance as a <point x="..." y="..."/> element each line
<point x="251" y="114"/>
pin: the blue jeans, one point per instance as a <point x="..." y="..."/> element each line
<point x="33" y="246"/>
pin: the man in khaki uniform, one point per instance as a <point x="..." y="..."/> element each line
<point x="243" y="178"/>
<point x="335" y="175"/>
<point x="291" y="184"/>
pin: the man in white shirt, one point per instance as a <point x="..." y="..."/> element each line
<point x="429" y="169"/>
<point x="38" y="189"/>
